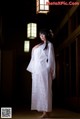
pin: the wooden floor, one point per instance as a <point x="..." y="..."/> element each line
<point x="55" y="114"/>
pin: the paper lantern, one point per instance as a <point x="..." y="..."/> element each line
<point x="31" y="30"/>
<point x="26" y="46"/>
<point x="42" y="6"/>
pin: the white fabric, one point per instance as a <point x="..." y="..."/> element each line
<point x="41" y="77"/>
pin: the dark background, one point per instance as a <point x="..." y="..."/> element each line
<point x="15" y="81"/>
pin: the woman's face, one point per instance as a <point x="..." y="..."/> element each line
<point x="42" y="37"/>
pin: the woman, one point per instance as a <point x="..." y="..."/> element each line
<point x="42" y="67"/>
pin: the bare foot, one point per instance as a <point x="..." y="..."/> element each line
<point x="44" y="115"/>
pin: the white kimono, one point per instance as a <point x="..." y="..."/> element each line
<point x="40" y="64"/>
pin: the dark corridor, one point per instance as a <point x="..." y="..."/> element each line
<point x="15" y="81"/>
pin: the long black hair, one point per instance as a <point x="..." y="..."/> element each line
<point x="48" y="34"/>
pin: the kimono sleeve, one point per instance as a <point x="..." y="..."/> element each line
<point x="30" y="65"/>
<point x="51" y="59"/>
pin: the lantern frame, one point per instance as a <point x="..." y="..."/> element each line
<point x="31" y="30"/>
<point x="26" y="46"/>
<point x="42" y="6"/>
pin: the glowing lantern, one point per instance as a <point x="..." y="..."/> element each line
<point x="26" y="46"/>
<point x="31" y="30"/>
<point x="42" y="6"/>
